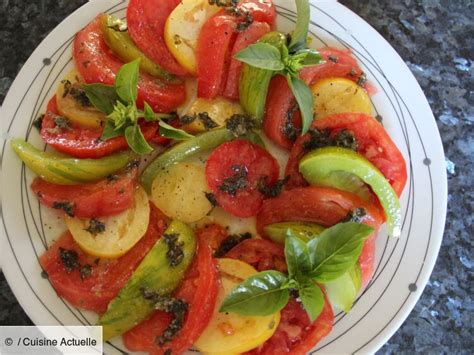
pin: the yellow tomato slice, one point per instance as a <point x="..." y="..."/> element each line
<point x="230" y="333"/>
<point x="339" y="95"/>
<point x="218" y="109"/>
<point x="182" y="30"/>
<point x="179" y="191"/>
<point x="120" y="234"/>
<point x="71" y="103"/>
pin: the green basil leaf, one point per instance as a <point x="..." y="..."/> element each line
<point x="136" y="141"/>
<point x="111" y="132"/>
<point x="103" y="97"/>
<point x="310" y="57"/>
<point x="171" y="132"/>
<point x="297" y="256"/>
<point x="305" y="100"/>
<point x="312" y="298"/>
<point x="343" y="291"/>
<point x="148" y="113"/>
<point x="300" y="34"/>
<point x="260" y="295"/>
<point x="261" y="55"/>
<point x="121" y="115"/>
<point x="336" y="250"/>
<point x="126" y="81"/>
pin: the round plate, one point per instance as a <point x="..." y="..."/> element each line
<point x="403" y="265"/>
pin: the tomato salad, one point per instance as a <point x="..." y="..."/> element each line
<point x="235" y="217"/>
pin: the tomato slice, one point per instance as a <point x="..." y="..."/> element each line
<point x="374" y="143"/>
<point x="234" y="171"/>
<point x="215" y="43"/>
<point x="199" y="289"/>
<point x="262" y="254"/>
<point x="296" y="334"/>
<point x="325" y="206"/>
<point x="106" y="277"/>
<point x="251" y="35"/>
<point x="97" y="64"/>
<point x="83" y="142"/>
<point x="98" y="199"/>
<point x="146" y="22"/>
<point x="281" y="114"/>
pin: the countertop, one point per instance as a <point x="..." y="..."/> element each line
<point x="436" y="40"/>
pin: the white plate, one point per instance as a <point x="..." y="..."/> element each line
<point x="403" y="265"/>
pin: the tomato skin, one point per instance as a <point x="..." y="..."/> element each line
<point x="108" y="276"/>
<point x="253" y="159"/>
<point x="146" y="21"/>
<point x="83" y="142"/>
<point x="97" y="64"/>
<point x="199" y="289"/>
<point x="374" y="143"/>
<point x="280" y="99"/>
<point x="97" y="199"/>
<point x="296" y="334"/>
<point x="262" y="254"/>
<point x="327" y="207"/>
<point x="251" y="35"/>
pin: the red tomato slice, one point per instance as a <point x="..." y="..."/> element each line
<point x="97" y="199"/>
<point x="374" y="143"/>
<point x="251" y="35"/>
<point x="199" y="289"/>
<point x="247" y="160"/>
<point x="213" y="234"/>
<point x="107" y="277"/>
<point x="280" y="105"/>
<point x="146" y="22"/>
<point x="97" y="64"/>
<point x="262" y="254"/>
<point x="296" y="334"/>
<point x="83" y="142"/>
<point x="215" y="43"/>
<point x="325" y="206"/>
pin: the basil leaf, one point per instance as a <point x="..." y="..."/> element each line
<point x="260" y="295"/>
<point x="336" y="250"/>
<point x="136" y="141"/>
<point x="169" y="131"/>
<point x="305" y="100"/>
<point x="126" y="81"/>
<point x="342" y="292"/>
<point x="148" y="113"/>
<point x="111" y="132"/>
<point x="297" y="256"/>
<point x="103" y="97"/>
<point x="312" y="298"/>
<point x="300" y="34"/>
<point x="261" y="55"/>
<point x="309" y="57"/>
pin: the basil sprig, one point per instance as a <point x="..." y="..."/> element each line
<point x="119" y="103"/>
<point x="322" y="259"/>
<point x="288" y="61"/>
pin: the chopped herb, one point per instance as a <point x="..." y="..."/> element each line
<point x="187" y="119"/>
<point x="345" y="139"/>
<point x="362" y="80"/>
<point x="318" y="139"/>
<point x="175" y="252"/>
<point x="247" y="21"/>
<point x="95" y="227"/>
<point x="236" y="182"/>
<point x="67" y="207"/>
<point x="379" y="118"/>
<point x="38" y="122"/>
<point x="353" y="72"/>
<point x="44" y="274"/>
<point x="112" y="177"/>
<point x="167" y="304"/>
<point x="76" y="92"/>
<point x="239" y="124"/>
<point x="289" y="129"/>
<point x="134" y="164"/>
<point x="333" y="58"/>
<point x="206" y="120"/>
<point x="85" y="271"/>
<point x="228" y="243"/>
<point x="274" y="190"/>
<point x="211" y="198"/>
<point x="67" y="87"/>
<point x="356" y="215"/>
<point x="69" y="258"/>
<point x="62" y="122"/>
